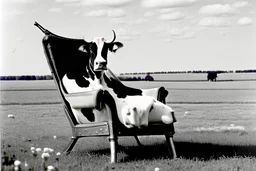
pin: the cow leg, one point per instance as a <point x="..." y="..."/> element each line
<point x="137" y="140"/>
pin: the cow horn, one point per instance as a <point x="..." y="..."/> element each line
<point x="114" y="37"/>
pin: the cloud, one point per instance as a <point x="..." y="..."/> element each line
<point x="223" y="33"/>
<point x="77" y="12"/>
<point x="176" y="31"/>
<point x="119" y="21"/>
<point x="217" y="10"/>
<point x="54" y="10"/>
<point x="13" y="12"/>
<point x="251" y="12"/>
<point x="129" y="22"/>
<point x="245" y="21"/>
<point x="149" y="14"/>
<point x="67" y="1"/>
<point x="172" y="16"/>
<point x="158" y="29"/>
<point x="17" y="1"/>
<point x="166" y="3"/>
<point x="109" y="3"/>
<point x="9" y="15"/>
<point x="169" y="34"/>
<point x="188" y="35"/>
<point x="214" y="22"/>
<point x="126" y="38"/>
<point x="138" y="21"/>
<point x="193" y="21"/>
<point x="114" y="13"/>
<point x="97" y="13"/>
<point x="240" y="4"/>
<point x="166" y="10"/>
<point x="127" y="34"/>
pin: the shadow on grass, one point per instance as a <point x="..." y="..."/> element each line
<point x="186" y="150"/>
<point x="206" y="151"/>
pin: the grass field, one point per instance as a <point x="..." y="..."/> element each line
<point x="216" y="129"/>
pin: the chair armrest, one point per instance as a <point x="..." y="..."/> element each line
<point x="153" y="92"/>
<point x="158" y="93"/>
<point x="90" y="99"/>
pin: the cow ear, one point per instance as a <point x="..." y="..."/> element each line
<point x="82" y="48"/>
<point x="116" y="46"/>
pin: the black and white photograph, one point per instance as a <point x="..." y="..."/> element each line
<point x="128" y="85"/>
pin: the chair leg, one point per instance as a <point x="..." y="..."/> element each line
<point x="137" y="140"/>
<point x="113" y="150"/>
<point x="70" y="146"/>
<point x="170" y="146"/>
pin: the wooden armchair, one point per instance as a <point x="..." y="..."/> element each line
<point x="62" y="52"/>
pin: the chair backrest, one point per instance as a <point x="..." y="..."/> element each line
<point x="63" y="56"/>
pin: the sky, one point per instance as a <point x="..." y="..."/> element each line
<point x="158" y="35"/>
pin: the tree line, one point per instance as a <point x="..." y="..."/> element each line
<point x="125" y="78"/>
<point x="194" y="71"/>
<point x="27" y="77"/>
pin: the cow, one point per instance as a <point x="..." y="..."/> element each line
<point x="149" y="77"/>
<point x="212" y="76"/>
<point x="97" y="75"/>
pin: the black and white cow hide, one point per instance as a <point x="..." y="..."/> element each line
<point x="96" y="75"/>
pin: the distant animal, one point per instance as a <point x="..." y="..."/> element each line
<point x="96" y="75"/>
<point x="149" y="77"/>
<point x="212" y="76"/>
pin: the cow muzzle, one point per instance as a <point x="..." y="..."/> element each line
<point x="100" y="66"/>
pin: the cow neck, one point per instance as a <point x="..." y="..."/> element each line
<point x="93" y="73"/>
<point x="96" y="82"/>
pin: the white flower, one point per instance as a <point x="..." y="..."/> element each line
<point x="48" y="150"/>
<point x="157" y="169"/>
<point x="10" y="116"/>
<point x="32" y="148"/>
<point x="58" y="154"/>
<point x="26" y="164"/>
<point x="17" y="163"/>
<point x="45" y="155"/>
<point x="16" y="168"/>
<point x="51" y="150"/>
<point x="55" y="137"/>
<point x="187" y="113"/>
<point x="50" y="168"/>
<point x="38" y="150"/>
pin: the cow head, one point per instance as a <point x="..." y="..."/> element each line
<point x="98" y="51"/>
